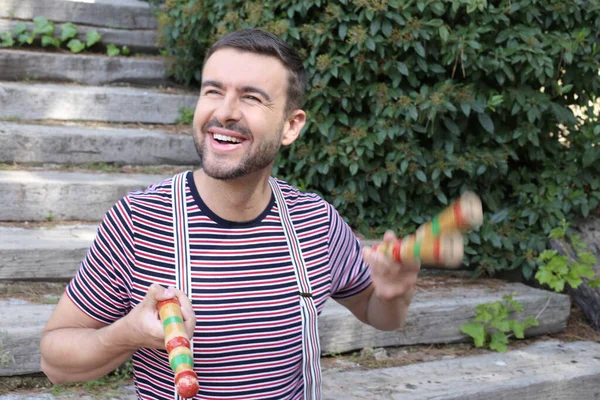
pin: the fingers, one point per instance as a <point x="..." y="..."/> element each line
<point x="389" y="236"/>
<point x="187" y="311"/>
<point x="158" y="293"/>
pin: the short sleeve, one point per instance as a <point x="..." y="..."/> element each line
<point x="350" y="275"/>
<point x="100" y="286"/>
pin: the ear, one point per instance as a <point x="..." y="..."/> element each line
<point x="292" y="127"/>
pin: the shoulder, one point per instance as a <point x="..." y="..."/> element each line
<point x="295" y="198"/>
<point x="159" y="193"/>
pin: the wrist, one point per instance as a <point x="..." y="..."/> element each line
<point x="119" y="336"/>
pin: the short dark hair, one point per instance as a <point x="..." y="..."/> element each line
<point x="265" y="43"/>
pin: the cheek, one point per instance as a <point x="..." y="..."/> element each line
<point x="201" y="114"/>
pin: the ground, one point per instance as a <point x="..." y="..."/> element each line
<point x="110" y="387"/>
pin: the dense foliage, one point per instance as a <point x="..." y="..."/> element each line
<point x="412" y="102"/>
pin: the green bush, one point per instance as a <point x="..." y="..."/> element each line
<point x="412" y="102"/>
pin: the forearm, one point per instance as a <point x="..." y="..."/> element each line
<point x="81" y="354"/>
<point x="388" y="314"/>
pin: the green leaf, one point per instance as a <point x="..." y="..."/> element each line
<point x="498" y="342"/>
<point x="93" y="37"/>
<point x="375" y="25"/>
<point x="370" y="44"/>
<point x="342" y="30"/>
<point x="443" y="31"/>
<point x="27" y="37"/>
<point x="476" y="331"/>
<point x="112" y="50"/>
<point x="125" y="50"/>
<point x="590" y="156"/>
<point x="595" y="284"/>
<point x="419" y="49"/>
<point x="353" y="168"/>
<point x="6" y="40"/>
<point x="42" y="26"/>
<point x="347" y="76"/>
<point x="442" y="198"/>
<point x="19" y="28"/>
<point x="486" y="122"/>
<point x="67" y="31"/>
<point x="75" y="45"/>
<point x="50" y="41"/>
<point x="518" y="329"/>
<point x="466" y="108"/>
<point x="386" y="28"/>
<point x="421" y="176"/>
<point x="402" y="68"/>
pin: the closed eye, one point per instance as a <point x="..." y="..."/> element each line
<point x="252" y="98"/>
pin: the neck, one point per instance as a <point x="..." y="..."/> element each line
<point x="236" y="200"/>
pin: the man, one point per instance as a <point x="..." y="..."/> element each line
<point x="258" y="261"/>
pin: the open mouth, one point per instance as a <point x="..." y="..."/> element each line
<point x="224" y="139"/>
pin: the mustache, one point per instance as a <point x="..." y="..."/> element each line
<point x="234" y="126"/>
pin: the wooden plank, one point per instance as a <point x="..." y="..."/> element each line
<point x="41" y="195"/>
<point x="435" y="317"/>
<point x="73" y="144"/>
<point x="141" y="41"/>
<point x="437" y="313"/>
<point x="87" y="69"/>
<point x="43" y="253"/>
<point x="109" y="13"/>
<point x="91" y="103"/>
<point x="20" y="343"/>
<point x="586" y="297"/>
<point x="543" y="371"/>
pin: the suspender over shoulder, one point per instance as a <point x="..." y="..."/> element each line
<point x="311" y="350"/>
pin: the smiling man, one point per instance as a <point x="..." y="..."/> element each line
<point x="251" y="259"/>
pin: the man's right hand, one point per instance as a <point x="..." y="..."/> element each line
<point x="144" y="322"/>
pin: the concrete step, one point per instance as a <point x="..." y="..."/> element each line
<point x="60" y="249"/>
<point x="91" y="103"/>
<point x="436" y="316"/>
<point x="43" y="253"/>
<point x="77" y="144"/>
<point x="543" y="371"/>
<point x="546" y="370"/>
<point x="87" y="69"/>
<point x="138" y="40"/>
<point x="122" y="14"/>
<point x="58" y="196"/>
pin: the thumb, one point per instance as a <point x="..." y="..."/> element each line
<point x="157" y="293"/>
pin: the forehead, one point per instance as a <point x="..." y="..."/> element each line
<point x="237" y="68"/>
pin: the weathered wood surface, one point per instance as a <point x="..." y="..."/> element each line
<point x="88" y="69"/>
<point x="435" y="317"/>
<point x="41" y="195"/>
<point x="43" y="253"/>
<point x="91" y="103"/>
<point x="124" y="14"/>
<point x="544" y="371"/>
<point x="140" y="41"/>
<point x="437" y="313"/>
<point x="73" y="144"/>
<point x="21" y="328"/>
<point x="587" y="298"/>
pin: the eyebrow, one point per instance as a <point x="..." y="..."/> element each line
<point x="244" y="89"/>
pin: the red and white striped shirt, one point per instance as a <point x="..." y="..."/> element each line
<point x="247" y="342"/>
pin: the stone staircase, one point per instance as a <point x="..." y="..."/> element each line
<point x="77" y="132"/>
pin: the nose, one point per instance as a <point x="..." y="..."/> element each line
<point x="228" y="110"/>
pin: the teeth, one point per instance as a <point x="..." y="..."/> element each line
<point x="224" y="138"/>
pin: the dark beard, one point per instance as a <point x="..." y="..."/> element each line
<point x="259" y="159"/>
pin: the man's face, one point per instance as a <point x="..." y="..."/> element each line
<point x="239" y="121"/>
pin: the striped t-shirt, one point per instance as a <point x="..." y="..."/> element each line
<point x="247" y="342"/>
